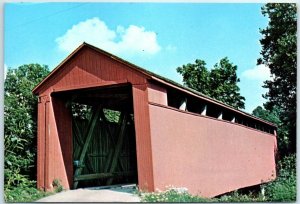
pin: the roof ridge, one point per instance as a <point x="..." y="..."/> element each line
<point x="148" y="73"/>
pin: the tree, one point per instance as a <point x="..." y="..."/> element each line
<point x="274" y="117"/>
<point x="195" y="76"/>
<point x="220" y="83"/>
<point x="264" y="114"/>
<point x="20" y="116"/>
<point x="279" y="53"/>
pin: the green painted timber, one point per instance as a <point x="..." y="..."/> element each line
<point x="92" y="124"/>
<point x="102" y="175"/>
<point x="103" y="143"/>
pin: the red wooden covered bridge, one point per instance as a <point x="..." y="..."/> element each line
<point x="104" y="121"/>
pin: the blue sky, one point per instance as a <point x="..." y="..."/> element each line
<point x="156" y="36"/>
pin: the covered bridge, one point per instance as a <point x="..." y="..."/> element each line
<point x="144" y="129"/>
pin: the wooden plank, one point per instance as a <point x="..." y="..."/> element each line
<point x="118" y="147"/>
<point x="102" y="175"/>
<point x="78" y="137"/>
<point x="112" y="139"/>
<point x="94" y="119"/>
<point x="111" y="152"/>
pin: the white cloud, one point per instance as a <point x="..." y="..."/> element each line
<point x="133" y="40"/>
<point x="259" y="72"/>
<point x="5" y="71"/>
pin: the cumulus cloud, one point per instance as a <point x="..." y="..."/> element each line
<point x="132" y="40"/>
<point x="259" y="72"/>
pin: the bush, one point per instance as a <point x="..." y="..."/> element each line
<point x="57" y="186"/>
<point x="25" y="191"/>
<point x="236" y="196"/>
<point x="172" y="195"/>
<point x="283" y="189"/>
<point x="20" y="115"/>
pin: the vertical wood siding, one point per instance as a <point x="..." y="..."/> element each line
<point x="41" y="124"/>
<point x="143" y="137"/>
<point x="89" y="67"/>
<point x="86" y="68"/>
<point x="208" y="156"/>
<point x="173" y="148"/>
<point x="54" y="144"/>
<point x="157" y="94"/>
<point x="63" y="118"/>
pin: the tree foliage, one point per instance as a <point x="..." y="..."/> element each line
<point x="271" y="116"/>
<point x="20" y="112"/>
<point x="219" y="83"/>
<point x="274" y="117"/>
<point x="279" y="53"/>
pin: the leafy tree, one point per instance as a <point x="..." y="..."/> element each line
<point x="271" y="116"/>
<point x="223" y="84"/>
<point x="220" y="83"/>
<point x="274" y="117"/>
<point x="279" y="53"/>
<point x="195" y="76"/>
<point x="20" y="112"/>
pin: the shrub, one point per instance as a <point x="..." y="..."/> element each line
<point x="25" y="191"/>
<point x="236" y="196"/>
<point x="283" y="189"/>
<point x="172" y="195"/>
<point x="20" y="114"/>
<point x="57" y="186"/>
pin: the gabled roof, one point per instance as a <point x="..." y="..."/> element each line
<point x="147" y="74"/>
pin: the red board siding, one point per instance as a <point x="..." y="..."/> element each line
<point x="63" y="120"/>
<point x="89" y="67"/>
<point x="207" y="156"/>
<point x="157" y="94"/>
<point x="41" y="143"/>
<point x="54" y="162"/>
<point x="143" y="139"/>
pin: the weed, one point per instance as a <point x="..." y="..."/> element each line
<point x="57" y="186"/>
<point x="283" y="189"/>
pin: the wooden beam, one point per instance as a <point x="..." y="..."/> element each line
<point x="118" y="147"/>
<point x="94" y="119"/>
<point x="203" y="112"/>
<point x="220" y="117"/>
<point x="110" y="155"/>
<point x="78" y="137"/>
<point x="102" y="175"/>
<point x="183" y="104"/>
<point x="112" y="139"/>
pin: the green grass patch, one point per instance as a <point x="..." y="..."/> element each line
<point x="24" y="194"/>
<point x="26" y="191"/>
<point x="171" y="195"/>
<point x="284" y="188"/>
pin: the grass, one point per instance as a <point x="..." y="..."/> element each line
<point x="175" y="196"/>
<point x="171" y="195"/>
<point x="28" y="194"/>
